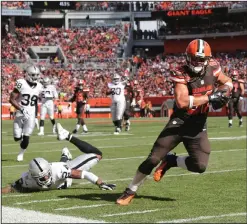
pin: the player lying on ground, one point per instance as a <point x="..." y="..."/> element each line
<point x="43" y="175"/>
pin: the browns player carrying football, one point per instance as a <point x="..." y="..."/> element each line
<point x="80" y="97"/>
<point x="236" y="98"/>
<point x="194" y="91"/>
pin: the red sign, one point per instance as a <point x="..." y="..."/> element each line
<point x="196" y="12"/>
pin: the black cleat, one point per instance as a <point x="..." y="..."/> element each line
<point x="229" y="125"/>
<point x="74" y="132"/>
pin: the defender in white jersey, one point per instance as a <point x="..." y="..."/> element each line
<point x="43" y="175"/>
<point x="116" y="92"/>
<point x="48" y="94"/>
<point x="24" y="98"/>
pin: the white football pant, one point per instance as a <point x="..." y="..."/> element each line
<point x="47" y="108"/>
<point x="23" y="127"/>
<point x="117" y="110"/>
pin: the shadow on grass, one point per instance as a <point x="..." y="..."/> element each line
<point x="112" y="197"/>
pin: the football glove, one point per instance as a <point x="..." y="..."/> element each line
<point x="218" y="99"/>
<point x="25" y="113"/>
<point x="105" y="186"/>
<point x="241" y="98"/>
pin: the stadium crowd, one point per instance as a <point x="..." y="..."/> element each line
<point x="15" y="5"/>
<point x="156" y="6"/>
<point x="91" y="42"/>
<point x="151" y="76"/>
<point x="140" y="6"/>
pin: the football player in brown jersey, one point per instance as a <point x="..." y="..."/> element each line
<point x="80" y="96"/>
<point x="194" y="91"/>
<point x="129" y="96"/>
<point x="236" y="98"/>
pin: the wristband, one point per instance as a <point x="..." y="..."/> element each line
<point x="191" y="101"/>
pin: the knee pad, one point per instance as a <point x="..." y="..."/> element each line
<point x="25" y="142"/>
<point x="17" y="139"/>
<point x="147" y="166"/>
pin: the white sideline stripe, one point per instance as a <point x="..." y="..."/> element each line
<point x="16" y="195"/>
<point x="175" y="175"/>
<point x="106" y="139"/>
<point x="229" y="138"/>
<point x="17" y="215"/>
<point x="85" y="206"/>
<point x="136" y="157"/>
<point x="203" y="217"/>
<point x="39" y="201"/>
<point x="130" y="213"/>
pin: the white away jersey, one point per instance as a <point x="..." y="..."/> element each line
<point x="117" y="91"/>
<point x="28" y="95"/>
<point x="60" y="171"/>
<point x="48" y="93"/>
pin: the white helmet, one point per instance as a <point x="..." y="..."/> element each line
<point x="40" y="170"/>
<point x="46" y="81"/>
<point x="116" y="78"/>
<point x="32" y="73"/>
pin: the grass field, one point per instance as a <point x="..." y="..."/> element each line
<point x="218" y="195"/>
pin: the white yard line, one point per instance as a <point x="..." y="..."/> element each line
<point x="203" y="218"/>
<point x="73" y="149"/>
<point x="139" y="137"/>
<point x="130" y="213"/>
<point x="136" y="157"/>
<point x="84" y="206"/>
<point x="16" y="195"/>
<point x="175" y="175"/>
<point x="39" y="201"/>
<point x="17" y="215"/>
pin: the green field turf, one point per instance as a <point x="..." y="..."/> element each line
<point x="220" y="192"/>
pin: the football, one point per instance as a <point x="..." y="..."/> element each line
<point x="226" y="88"/>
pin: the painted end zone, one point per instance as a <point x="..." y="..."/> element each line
<point x="17" y="215"/>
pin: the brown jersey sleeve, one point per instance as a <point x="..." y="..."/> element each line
<point x="215" y="66"/>
<point x="178" y="77"/>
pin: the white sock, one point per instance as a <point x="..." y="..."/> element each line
<point x="138" y="180"/>
<point x="230" y="121"/>
<point x="241" y="119"/>
<point x="128" y="122"/>
<point x="89" y="176"/>
<point x="181" y="162"/>
<point x="41" y="129"/>
<point x="37" y="122"/>
<point x="77" y="127"/>
<point x="22" y="151"/>
<point x="84" y="127"/>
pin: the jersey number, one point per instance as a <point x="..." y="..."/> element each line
<point x="66" y="174"/>
<point x="18" y="85"/>
<point x="115" y="91"/>
<point x="44" y="92"/>
<point x="28" y="100"/>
